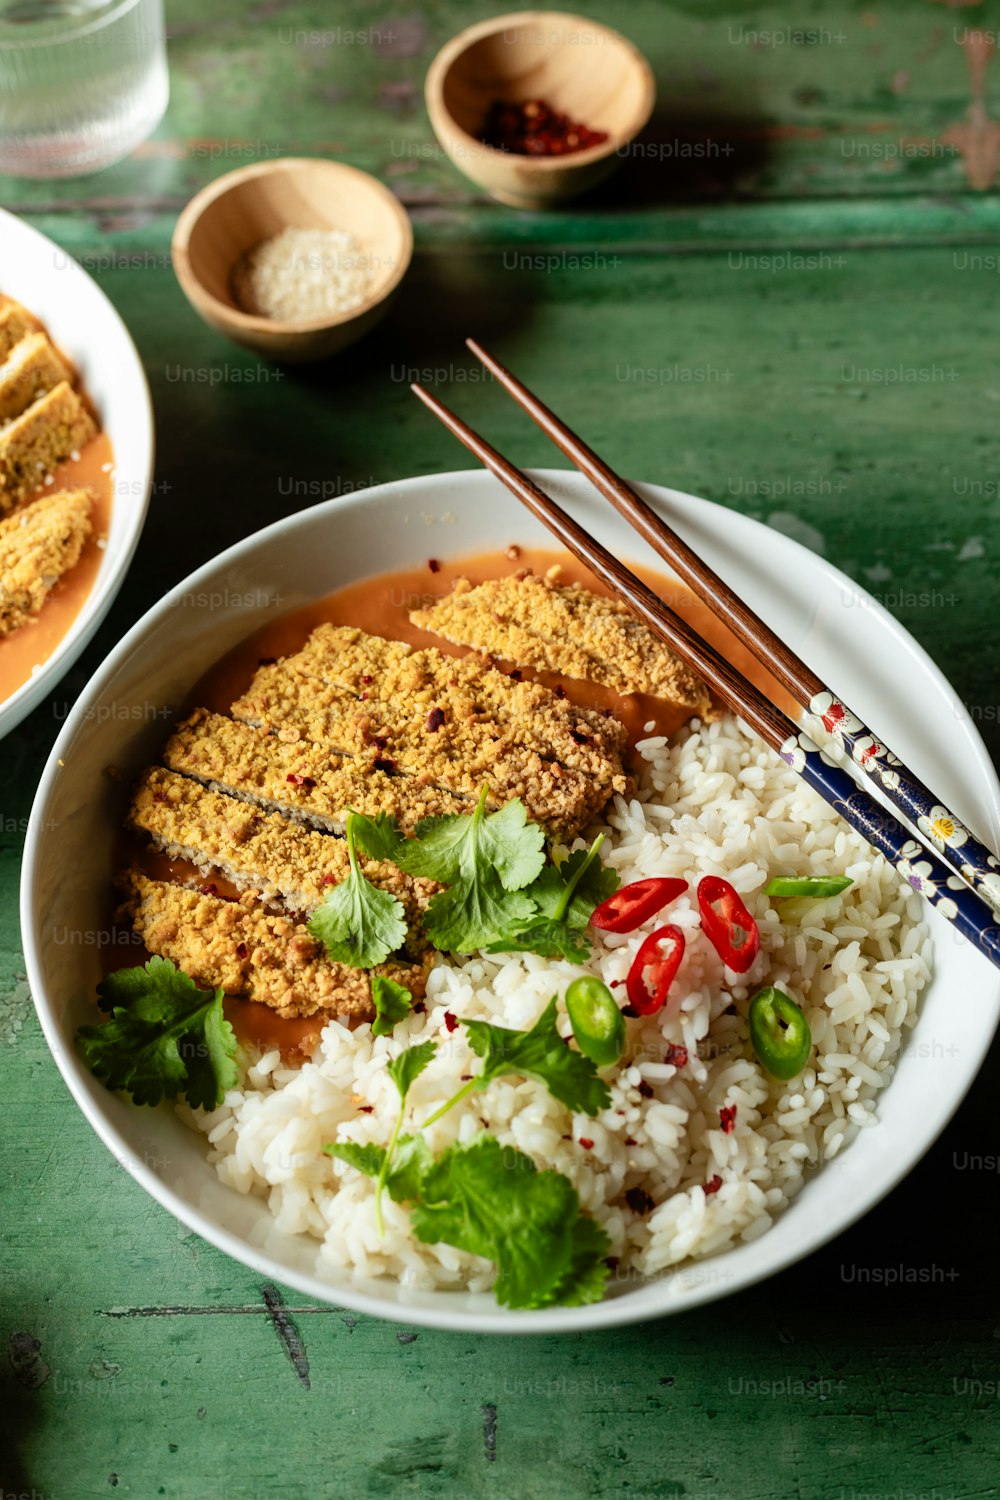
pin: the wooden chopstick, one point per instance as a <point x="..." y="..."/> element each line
<point x="963" y="907"/>
<point x="973" y="861"/>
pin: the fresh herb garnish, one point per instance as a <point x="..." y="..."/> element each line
<point x="166" y="1037"/>
<point x="484" y="860"/>
<point x="393" y="1003"/>
<point x="539" y="1053"/>
<point x="564" y="895"/>
<point x="491" y="1200"/>
<point x="379" y="837"/>
<point x="359" y="923"/>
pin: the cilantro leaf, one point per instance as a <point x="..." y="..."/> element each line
<point x="564" y="896"/>
<point x="547" y="938"/>
<point x="586" y="1276"/>
<point x="358" y="923"/>
<point x="393" y="1003"/>
<point x="540" y="1053"/>
<point x="569" y="892"/>
<point x="471" y="914"/>
<point x="411" y="1160"/>
<point x="378" y="837"/>
<point x="368" y="1159"/>
<point x="467" y="845"/>
<point x="405" y="1069"/>
<point x="165" y="1037"/>
<point x="484" y="860"/>
<point x="492" y="1201"/>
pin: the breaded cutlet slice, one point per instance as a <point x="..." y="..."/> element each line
<point x="251" y="952"/>
<point x="52" y="428"/>
<point x="430" y="707"/>
<point x="439" y="749"/>
<point x="38" y="544"/>
<point x="30" y="369"/>
<point x="301" y="780"/>
<point x="285" y="862"/>
<point x="540" y="624"/>
<point x="390" y="672"/>
<point x="15" y="322"/>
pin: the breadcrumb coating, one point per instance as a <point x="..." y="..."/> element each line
<point x="282" y="861"/>
<point x="15" y="323"/>
<point x="251" y="952"/>
<point x="30" y="369"/>
<point x="438" y="748"/>
<point x="564" y="629"/>
<point x="38" y="544"/>
<point x="302" y="781"/>
<point x="31" y="446"/>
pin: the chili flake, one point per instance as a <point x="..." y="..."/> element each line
<point x="241" y="950"/>
<point x="434" y="565"/>
<point x="451" y="1021"/>
<point x="532" y="127"/>
<point x="383" y="763"/>
<point x="645" y="1090"/>
<point x="727" y="1118"/>
<point x="586" y="1143"/>
<point x="638" y="1200"/>
<point x="676" y="1056"/>
<point x="712" y="1185"/>
<point x="435" y="719"/>
<point x="297" y="780"/>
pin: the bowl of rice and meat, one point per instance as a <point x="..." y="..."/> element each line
<point x="483" y="973"/>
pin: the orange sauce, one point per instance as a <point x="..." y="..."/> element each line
<point x="33" y="643"/>
<point x="380" y="605"/>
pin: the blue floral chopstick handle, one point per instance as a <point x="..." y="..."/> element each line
<point x="973" y="861"/>
<point x="947" y="892"/>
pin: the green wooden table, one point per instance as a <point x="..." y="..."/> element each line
<point x="789" y="305"/>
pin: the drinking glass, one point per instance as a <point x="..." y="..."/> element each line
<point x="82" y="83"/>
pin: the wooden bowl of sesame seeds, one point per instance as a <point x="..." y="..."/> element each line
<point x="582" y="91"/>
<point x="295" y="259"/>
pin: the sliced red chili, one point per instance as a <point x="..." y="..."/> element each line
<point x="634" y="904"/>
<point x="654" y="969"/>
<point x="727" y="924"/>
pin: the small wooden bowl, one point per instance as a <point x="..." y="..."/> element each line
<point x="242" y="208"/>
<point x="581" y="68"/>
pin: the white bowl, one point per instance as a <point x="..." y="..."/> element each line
<point x="81" y="320"/>
<point x="842" y="632"/>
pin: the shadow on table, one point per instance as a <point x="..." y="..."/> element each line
<point x="689" y="155"/>
<point x="21" y="1374"/>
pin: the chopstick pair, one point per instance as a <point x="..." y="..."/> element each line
<point x="966" y="893"/>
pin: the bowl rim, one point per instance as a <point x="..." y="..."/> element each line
<point x="103" y="592"/>
<point x="196" y="291"/>
<point x="614" y="1311"/>
<point x="439" y="112"/>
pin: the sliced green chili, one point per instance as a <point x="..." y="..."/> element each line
<point x="779" y="1033"/>
<point x="598" y="1024"/>
<point x="819" y="885"/>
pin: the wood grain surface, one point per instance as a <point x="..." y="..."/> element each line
<point x="788" y="304"/>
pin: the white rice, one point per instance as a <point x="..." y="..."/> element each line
<point x="711" y="801"/>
